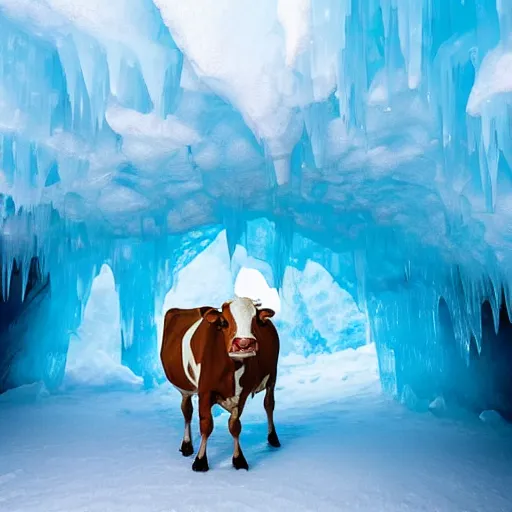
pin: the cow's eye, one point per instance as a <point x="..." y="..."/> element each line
<point x="222" y="324"/>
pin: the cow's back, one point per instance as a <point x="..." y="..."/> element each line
<point x="176" y="324"/>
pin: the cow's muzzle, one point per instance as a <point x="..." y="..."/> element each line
<point x="243" y="347"/>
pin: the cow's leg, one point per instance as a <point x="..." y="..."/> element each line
<point x="235" y="428"/>
<point x="206" y="427"/>
<point x="187" y="409"/>
<point x="269" y="404"/>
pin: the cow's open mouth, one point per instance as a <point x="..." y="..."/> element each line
<point x="243" y="348"/>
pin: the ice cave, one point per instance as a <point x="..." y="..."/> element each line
<point x="346" y="163"/>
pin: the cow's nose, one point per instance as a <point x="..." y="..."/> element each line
<point x="243" y="342"/>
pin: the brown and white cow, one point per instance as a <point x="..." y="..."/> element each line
<point x="223" y="356"/>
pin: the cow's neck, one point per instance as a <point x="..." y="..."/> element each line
<point x="239" y="371"/>
<point x="244" y="371"/>
<point x="238" y="364"/>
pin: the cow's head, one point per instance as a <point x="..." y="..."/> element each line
<point x="237" y="320"/>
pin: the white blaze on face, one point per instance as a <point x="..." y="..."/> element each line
<point x="243" y="312"/>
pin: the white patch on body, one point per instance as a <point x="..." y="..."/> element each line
<point x="238" y="376"/>
<point x="188" y="356"/>
<point x="183" y="391"/>
<point x="243" y="312"/>
<point x="232" y="402"/>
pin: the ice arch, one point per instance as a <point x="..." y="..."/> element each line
<point x="94" y="356"/>
<point x="314" y="313"/>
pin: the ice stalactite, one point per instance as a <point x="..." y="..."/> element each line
<point x="135" y="271"/>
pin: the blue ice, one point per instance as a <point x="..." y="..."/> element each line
<point x="356" y="153"/>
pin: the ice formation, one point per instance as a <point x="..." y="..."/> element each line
<point x="370" y="138"/>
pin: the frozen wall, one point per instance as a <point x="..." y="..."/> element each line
<point x="370" y="137"/>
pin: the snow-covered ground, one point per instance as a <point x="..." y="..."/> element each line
<point x="344" y="447"/>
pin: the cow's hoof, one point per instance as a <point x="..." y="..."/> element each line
<point x="240" y="462"/>
<point x="186" y="448"/>
<point x="273" y="440"/>
<point x="200" y="465"/>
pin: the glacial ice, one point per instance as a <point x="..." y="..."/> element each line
<point x="363" y="144"/>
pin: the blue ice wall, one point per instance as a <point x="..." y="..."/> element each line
<point x="44" y="296"/>
<point x="372" y="137"/>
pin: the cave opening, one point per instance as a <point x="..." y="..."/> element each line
<point x="346" y="162"/>
<point x="343" y="354"/>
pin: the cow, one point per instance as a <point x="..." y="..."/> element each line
<point x="223" y="356"/>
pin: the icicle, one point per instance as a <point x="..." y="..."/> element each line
<point x="495" y="297"/>
<point x="504" y="9"/>
<point x="94" y="67"/>
<point x="490" y="147"/>
<point x="24" y="266"/>
<point x="410" y="29"/>
<point x="235" y="226"/>
<point x="407" y="271"/>
<point x="360" y="271"/>
<point x="415" y="44"/>
<point x="127" y="327"/>
<point x="385" y="6"/>
<point x="282" y="250"/>
<point x="153" y="71"/>
<point x="7" y="264"/>
<point x="508" y="299"/>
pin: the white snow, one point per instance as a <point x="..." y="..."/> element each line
<point x="344" y="448"/>
<point x="205" y="280"/>
<point x="217" y="37"/>
<point x="145" y="135"/>
<point x="94" y="356"/>
<point x="294" y="16"/>
<point x="494" y="77"/>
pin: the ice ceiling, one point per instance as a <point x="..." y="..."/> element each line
<point x="371" y="136"/>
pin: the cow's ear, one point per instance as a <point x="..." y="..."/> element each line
<point x="212" y="316"/>
<point x="265" y="314"/>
